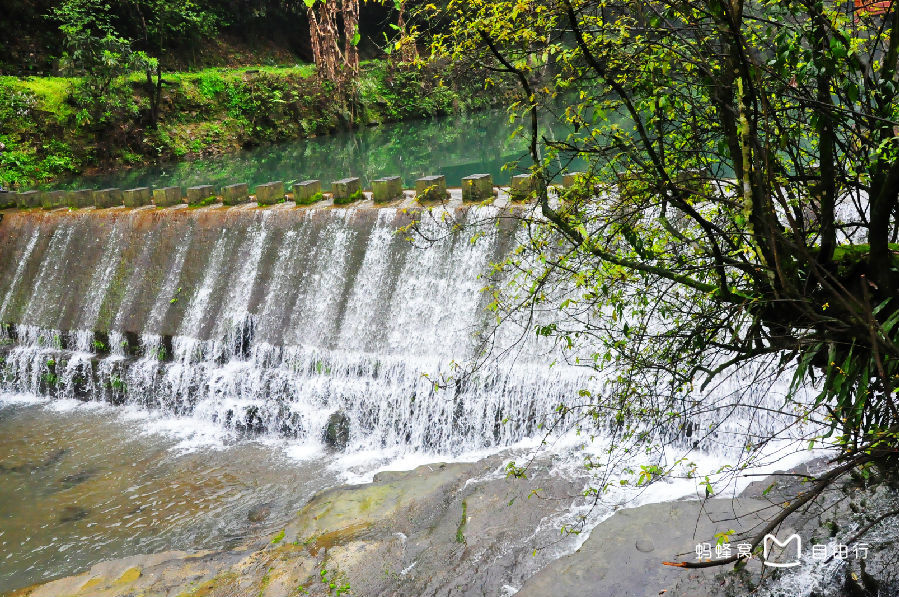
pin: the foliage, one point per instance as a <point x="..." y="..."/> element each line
<point x="331" y="582"/>
<point x="20" y="162"/>
<point x="407" y="92"/>
<point x="93" y="31"/>
<point x="739" y="154"/>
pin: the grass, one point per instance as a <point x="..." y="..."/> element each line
<point x="302" y="70"/>
<point x="51" y="92"/>
<point x="460" y="530"/>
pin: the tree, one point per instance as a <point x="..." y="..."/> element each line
<point x="107" y="41"/>
<point x="104" y="57"/>
<point x="739" y="205"/>
<point x="405" y="48"/>
<point x="159" y="23"/>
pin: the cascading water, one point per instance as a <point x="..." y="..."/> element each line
<point x="267" y="322"/>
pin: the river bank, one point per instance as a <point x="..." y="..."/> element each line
<point x="212" y="112"/>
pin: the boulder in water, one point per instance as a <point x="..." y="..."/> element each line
<point x="337" y="431"/>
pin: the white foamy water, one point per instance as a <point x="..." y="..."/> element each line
<point x="268" y="326"/>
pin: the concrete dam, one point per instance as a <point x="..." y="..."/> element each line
<point x="283" y="320"/>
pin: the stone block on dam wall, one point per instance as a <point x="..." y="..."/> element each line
<point x="477" y="187"/>
<point x="345" y="189"/>
<point x="522" y="187"/>
<point x="236" y="194"/>
<point x="270" y="193"/>
<point x="307" y="192"/>
<point x="167" y="197"/>
<point x="108" y="198"/>
<point x="80" y="199"/>
<point x="197" y="195"/>
<point x="28" y="199"/>
<point x="137" y="197"/>
<point x="53" y="199"/>
<point x="431" y="188"/>
<point x="389" y="188"/>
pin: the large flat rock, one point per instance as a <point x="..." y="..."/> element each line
<point x="623" y="555"/>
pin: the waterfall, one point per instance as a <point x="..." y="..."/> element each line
<point x="268" y="322"/>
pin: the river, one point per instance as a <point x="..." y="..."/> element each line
<point x="455" y="146"/>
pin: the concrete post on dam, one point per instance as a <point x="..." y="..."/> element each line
<point x="307" y="192"/>
<point x="522" y="187"/>
<point x="80" y="199"/>
<point x="389" y="188"/>
<point x="137" y="197"/>
<point x="346" y="190"/>
<point x="167" y="196"/>
<point x="431" y="188"/>
<point x="236" y="194"/>
<point x="200" y="195"/>
<point x="28" y="199"/>
<point x="477" y="187"/>
<point x="108" y="198"/>
<point x="270" y="193"/>
<point x="53" y="199"/>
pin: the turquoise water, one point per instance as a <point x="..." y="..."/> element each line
<point x="454" y="146"/>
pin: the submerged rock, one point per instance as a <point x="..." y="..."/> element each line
<point x="337" y="431"/>
<point x="77" y="478"/>
<point x="260" y="512"/>
<point x="73" y="514"/>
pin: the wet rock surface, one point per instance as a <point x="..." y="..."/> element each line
<point x="260" y="512"/>
<point x="441" y="529"/>
<point x="467" y="529"/>
<point x="624" y="555"/>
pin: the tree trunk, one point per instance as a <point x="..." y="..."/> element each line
<point x="350" y="27"/>
<point x="323" y="38"/>
<point x="408" y="51"/>
<point x="155" y="91"/>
